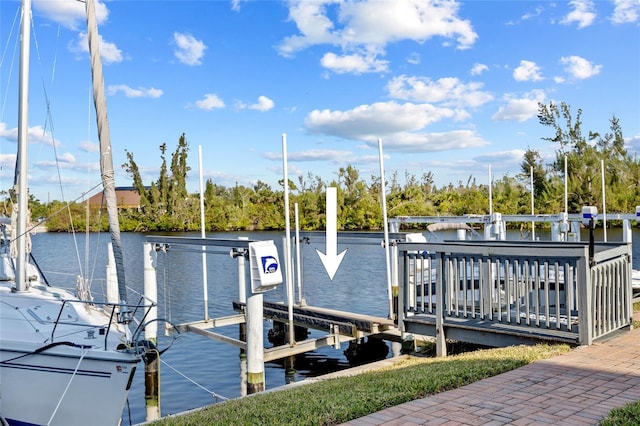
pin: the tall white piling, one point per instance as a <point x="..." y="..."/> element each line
<point x="255" y="344"/>
<point x="392" y="291"/>
<point x="152" y="361"/>
<point x="533" y="209"/>
<point x="298" y="254"/>
<point x="242" y="297"/>
<point x="203" y="234"/>
<point x="150" y="259"/>
<point x="287" y="242"/>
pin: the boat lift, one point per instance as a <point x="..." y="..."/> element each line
<point x="339" y="326"/>
<point x="253" y="282"/>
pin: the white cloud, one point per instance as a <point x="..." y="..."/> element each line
<point x="189" y="51"/>
<point x="500" y="157"/>
<point x="632" y="145"/>
<point x="625" y="11"/>
<point x="479" y="69"/>
<point x="379" y="23"/>
<point x="369" y="122"/>
<point x="431" y="142"/>
<point x="129" y="92"/>
<point x="414" y="58"/>
<point x="520" y="109"/>
<point x="449" y="91"/>
<point x="35" y="135"/>
<point x="538" y="11"/>
<point x="109" y="52"/>
<point x="579" y="68"/>
<point x="311" y="155"/>
<point x="235" y="5"/>
<point x="7" y="160"/>
<point x="527" y="71"/>
<point x="370" y="25"/>
<point x="66" y="161"/>
<point x="88" y="146"/>
<point x="69" y="14"/>
<point x="582" y="13"/>
<point x="400" y="125"/>
<point x="67" y="157"/>
<point x="210" y="102"/>
<point x="314" y="26"/>
<point x="356" y="64"/>
<point x="264" y="104"/>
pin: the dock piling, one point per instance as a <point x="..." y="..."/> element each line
<point x="151" y="361"/>
<point x="255" y="344"/>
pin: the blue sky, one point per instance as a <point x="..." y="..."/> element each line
<point x="449" y="87"/>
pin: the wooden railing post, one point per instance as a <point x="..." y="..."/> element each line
<point x="401" y="270"/>
<point x="585" y="300"/>
<point x="441" y="340"/>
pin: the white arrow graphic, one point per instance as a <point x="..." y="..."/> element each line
<point x="332" y="259"/>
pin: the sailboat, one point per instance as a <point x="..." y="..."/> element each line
<point x="64" y="359"/>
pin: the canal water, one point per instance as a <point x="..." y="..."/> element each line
<point x="197" y="371"/>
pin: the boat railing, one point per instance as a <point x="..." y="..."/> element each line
<point x="113" y="309"/>
<point x="550" y="289"/>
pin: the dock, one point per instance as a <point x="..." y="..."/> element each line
<point x="492" y="292"/>
<point x="489" y="292"/>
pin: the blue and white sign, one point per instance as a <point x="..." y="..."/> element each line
<point x="265" y="266"/>
<point x="269" y="265"/>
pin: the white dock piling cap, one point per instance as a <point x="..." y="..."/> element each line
<point x="589" y="212"/>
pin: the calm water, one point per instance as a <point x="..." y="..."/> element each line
<point x="358" y="286"/>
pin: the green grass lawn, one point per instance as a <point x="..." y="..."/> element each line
<point x="338" y="400"/>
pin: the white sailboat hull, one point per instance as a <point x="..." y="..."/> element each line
<point x="64" y="385"/>
<point x="62" y="361"/>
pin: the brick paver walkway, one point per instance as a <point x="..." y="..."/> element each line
<point x="577" y="388"/>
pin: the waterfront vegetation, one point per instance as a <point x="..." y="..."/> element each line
<point x="166" y="205"/>
<point x="337" y="400"/>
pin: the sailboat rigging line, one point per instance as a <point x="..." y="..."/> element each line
<point x="44" y="348"/>
<point x="95" y="255"/>
<point x="55" y="56"/>
<point x="35" y="263"/>
<point x="84" y="352"/>
<point x="66" y="206"/>
<point x="5" y="50"/>
<point x="210" y="392"/>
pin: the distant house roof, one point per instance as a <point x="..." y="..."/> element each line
<point x="127" y="197"/>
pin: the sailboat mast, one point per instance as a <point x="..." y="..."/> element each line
<point x="23" y="128"/>
<point x="106" y="158"/>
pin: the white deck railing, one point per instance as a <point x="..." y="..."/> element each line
<point x="549" y="290"/>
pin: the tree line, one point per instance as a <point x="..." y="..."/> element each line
<point x="166" y="205"/>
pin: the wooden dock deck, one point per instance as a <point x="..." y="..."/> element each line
<point x="347" y="323"/>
